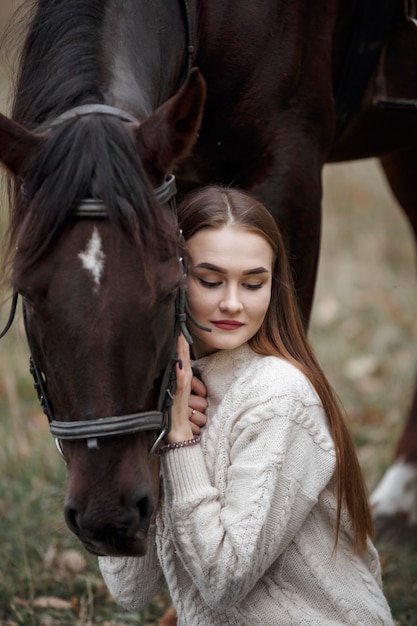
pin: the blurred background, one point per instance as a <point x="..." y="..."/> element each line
<point x="364" y="332"/>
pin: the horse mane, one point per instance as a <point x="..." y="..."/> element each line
<point x="60" y="67"/>
<point x="60" y="64"/>
<point x="89" y="157"/>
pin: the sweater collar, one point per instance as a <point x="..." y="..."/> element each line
<point x="220" y="369"/>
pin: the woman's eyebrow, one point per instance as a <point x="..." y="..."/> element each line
<point x="221" y="270"/>
<point x="257" y="270"/>
<point x="211" y="267"/>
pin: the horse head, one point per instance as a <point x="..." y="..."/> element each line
<point x="100" y="290"/>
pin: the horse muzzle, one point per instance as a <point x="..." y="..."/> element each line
<point x="113" y="529"/>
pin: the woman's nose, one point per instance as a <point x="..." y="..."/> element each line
<point x="231" y="301"/>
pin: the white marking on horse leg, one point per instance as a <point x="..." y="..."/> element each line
<point x="396" y="494"/>
<point x="93" y="257"/>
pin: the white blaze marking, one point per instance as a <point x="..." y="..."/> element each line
<point x="93" y="257"/>
<point x="396" y="494"/>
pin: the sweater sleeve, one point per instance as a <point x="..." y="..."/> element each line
<point x="133" y="581"/>
<point x="281" y="458"/>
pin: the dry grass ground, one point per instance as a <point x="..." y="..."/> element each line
<point x="364" y="331"/>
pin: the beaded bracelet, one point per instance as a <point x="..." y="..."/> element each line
<point x="178" y="444"/>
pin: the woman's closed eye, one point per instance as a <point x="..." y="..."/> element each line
<point x="209" y="284"/>
<point x="253" y="286"/>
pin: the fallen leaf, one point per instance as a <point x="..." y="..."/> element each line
<point x="50" y="602"/>
<point x="71" y="562"/>
<point x="169" y="618"/>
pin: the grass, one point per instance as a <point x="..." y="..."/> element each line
<point x="364" y="331"/>
<point x="46" y="578"/>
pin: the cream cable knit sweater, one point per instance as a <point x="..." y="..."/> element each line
<point x="245" y="530"/>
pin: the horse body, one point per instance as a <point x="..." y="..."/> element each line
<point x="259" y="96"/>
<point x="100" y="293"/>
<point x="144" y="54"/>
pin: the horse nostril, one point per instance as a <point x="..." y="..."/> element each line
<point x="119" y="525"/>
<point x="145" y="508"/>
<point x="71" y="518"/>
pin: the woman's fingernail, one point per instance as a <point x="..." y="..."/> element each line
<point x="180" y="365"/>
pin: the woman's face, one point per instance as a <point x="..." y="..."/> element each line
<point x="229" y="286"/>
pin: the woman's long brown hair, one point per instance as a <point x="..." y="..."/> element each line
<point x="282" y="334"/>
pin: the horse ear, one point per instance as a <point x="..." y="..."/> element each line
<point x="170" y="132"/>
<point x="16" y="145"/>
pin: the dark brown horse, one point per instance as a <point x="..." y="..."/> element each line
<point x="106" y="109"/>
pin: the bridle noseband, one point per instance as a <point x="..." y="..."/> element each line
<point x="158" y="420"/>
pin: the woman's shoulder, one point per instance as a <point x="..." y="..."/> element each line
<point x="271" y="386"/>
<point x="255" y="375"/>
<point x="253" y="389"/>
<point x="281" y="378"/>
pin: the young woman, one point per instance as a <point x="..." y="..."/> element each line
<point x="263" y="518"/>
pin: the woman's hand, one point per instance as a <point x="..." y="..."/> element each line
<point x="197" y="404"/>
<point x="188" y="408"/>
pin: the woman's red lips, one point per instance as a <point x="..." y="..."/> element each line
<point x="227" y="324"/>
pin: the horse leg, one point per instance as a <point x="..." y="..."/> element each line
<point x="396" y="494"/>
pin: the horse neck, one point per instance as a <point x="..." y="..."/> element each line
<point x="128" y="53"/>
<point x="60" y="60"/>
<point x="145" y="53"/>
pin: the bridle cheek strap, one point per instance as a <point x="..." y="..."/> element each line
<point x="158" y="420"/>
<point x="114" y="426"/>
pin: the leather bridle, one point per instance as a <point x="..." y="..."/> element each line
<point x="158" y="420"/>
